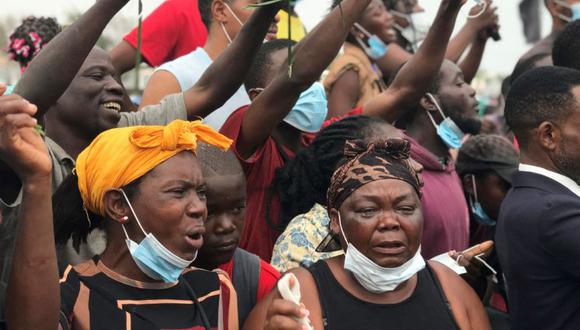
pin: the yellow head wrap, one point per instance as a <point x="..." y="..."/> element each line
<point x="119" y="156"/>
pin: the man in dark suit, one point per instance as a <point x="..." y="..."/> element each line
<point x="538" y="230"/>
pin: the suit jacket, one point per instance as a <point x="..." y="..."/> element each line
<point x="538" y="243"/>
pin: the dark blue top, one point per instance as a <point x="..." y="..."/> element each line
<point x="538" y="243"/>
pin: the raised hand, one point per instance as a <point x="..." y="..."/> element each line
<point x="483" y="21"/>
<point x="21" y="146"/>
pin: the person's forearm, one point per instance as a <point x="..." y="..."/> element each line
<point x="394" y="58"/>
<point x="471" y="63"/>
<point x="33" y="286"/>
<point x="226" y="74"/>
<point x="50" y="73"/>
<point x="123" y="56"/>
<point x="460" y="42"/>
<point x="418" y="74"/>
<point x="319" y="47"/>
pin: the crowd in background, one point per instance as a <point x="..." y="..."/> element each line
<point x="273" y="178"/>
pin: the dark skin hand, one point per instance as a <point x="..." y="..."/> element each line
<point x="417" y="76"/>
<point x="33" y="290"/>
<point x="270" y="107"/>
<point x="272" y="312"/>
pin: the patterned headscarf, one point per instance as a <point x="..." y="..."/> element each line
<point x="368" y="162"/>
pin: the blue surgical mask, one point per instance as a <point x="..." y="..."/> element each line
<point x="476" y="209"/>
<point x="575" y="9"/>
<point x="309" y="112"/>
<point x="373" y="277"/>
<point x="447" y="130"/>
<point x="152" y="258"/>
<point x="376" y="47"/>
<point x="9" y="90"/>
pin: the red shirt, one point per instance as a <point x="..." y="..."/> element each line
<point x="258" y="237"/>
<point x="174" y="29"/>
<point x="268" y="277"/>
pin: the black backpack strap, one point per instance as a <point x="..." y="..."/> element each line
<point x="245" y="278"/>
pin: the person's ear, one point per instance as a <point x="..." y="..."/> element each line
<point x="334" y="225"/>
<point x="116" y="207"/>
<point x="427" y="103"/>
<point x="467" y="182"/>
<point x="219" y="12"/>
<point x="253" y="93"/>
<point x="548" y="135"/>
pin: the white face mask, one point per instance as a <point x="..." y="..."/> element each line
<point x="417" y="28"/>
<point x="373" y="277"/>
<point x="237" y="19"/>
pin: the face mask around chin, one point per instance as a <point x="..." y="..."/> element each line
<point x="574" y="8"/>
<point x="376" y="47"/>
<point x="152" y="257"/>
<point x="477" y="210"/>
<point x="373" y="277"/>
<point x="447" y="130"/>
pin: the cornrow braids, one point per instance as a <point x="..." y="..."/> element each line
<point x="30" y="37"/>
<point x="303" y="180"/>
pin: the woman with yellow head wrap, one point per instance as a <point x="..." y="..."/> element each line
<point x="144" y="186"/>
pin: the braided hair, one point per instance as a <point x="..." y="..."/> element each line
<point x="30" y="37"/>
<point x="304" y="179"/>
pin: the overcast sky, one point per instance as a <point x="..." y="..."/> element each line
<point x="500" y="57"/>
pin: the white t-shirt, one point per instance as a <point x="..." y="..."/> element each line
<point x="187" y="69"/>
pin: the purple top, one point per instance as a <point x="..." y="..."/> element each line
<point x="445" y="210"/>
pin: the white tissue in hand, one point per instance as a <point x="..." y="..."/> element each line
<point x="445" y="259"/>
<point x="292" y="294"/>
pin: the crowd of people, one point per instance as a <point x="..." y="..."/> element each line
<point x="269" y="178"/>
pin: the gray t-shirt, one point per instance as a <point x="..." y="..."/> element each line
<point x="171" y="108"/>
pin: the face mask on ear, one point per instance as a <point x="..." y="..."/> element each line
<point x="373" y="277"/>
<point x="376" y="47"/>
<point x="237" y="19"/>
<point x="574" y="8"/>
<point x="447" y="130"/>
<point x="417" y="28"/>
<point x="476" y="209"/>
<point x="309" y="112"/>
<point x="152" y="258"/>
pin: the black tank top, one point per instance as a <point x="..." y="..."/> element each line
<point x="427" y="308"/>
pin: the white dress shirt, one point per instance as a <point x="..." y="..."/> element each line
<point x="561" y="179"/>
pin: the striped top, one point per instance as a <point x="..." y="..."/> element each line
<point x="95" y="297"/>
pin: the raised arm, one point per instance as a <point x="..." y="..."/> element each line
<point x="469" y="32"/>
<point x="470" y="64"/>
<point x="226" y="74"/>
<point x="312" y="55"/>
<point x="418" y="73"/>
<point x="50" y="73"/>
<point x="33" y="289"/>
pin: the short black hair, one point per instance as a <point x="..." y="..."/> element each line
<point x="204" y="7"/>
<point x="215" y="162"/>
<point x="262" y="64"/>
<point x="304" y="179"/>
<point x="541" y="94"/>
<point x="527" y="64"/>
<point x="566" y="51"/>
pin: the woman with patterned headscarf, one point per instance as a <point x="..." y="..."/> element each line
<point x="144" y="186"/>
<point x="382" y="281"/>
